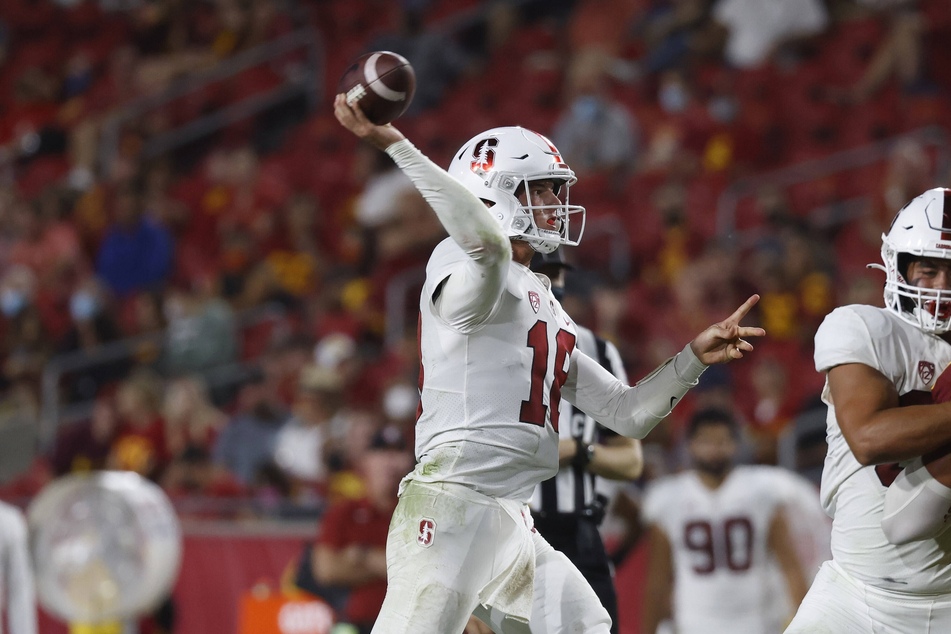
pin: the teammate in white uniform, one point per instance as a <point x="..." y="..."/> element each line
<point x="713" y="531"/>
<point x="496" y="350"/>
<point x="880" y="366"/>
<point x="17" y="593"/>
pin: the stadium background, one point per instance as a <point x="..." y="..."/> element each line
<point x="185" y="230"/>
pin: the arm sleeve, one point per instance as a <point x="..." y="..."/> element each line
<point x="471" y="290"/>
<point x="916" y="505"/>
<point x="631" y="411"/>
<point x="21" y="606"/>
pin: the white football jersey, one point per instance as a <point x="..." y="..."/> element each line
<point x="719" y="544"/>
<point x="854" y="495"/>
<point x="486" y="419"/>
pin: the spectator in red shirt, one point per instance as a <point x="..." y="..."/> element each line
<point x="191" y="419"/>
<point x="140" y="442"/>
<point x="85" y="446"/>
<point x="350" y="546"/>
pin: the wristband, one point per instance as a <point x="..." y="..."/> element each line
<point x="584" y="454"/>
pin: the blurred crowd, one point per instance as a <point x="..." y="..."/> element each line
<point x="239" y="311"/>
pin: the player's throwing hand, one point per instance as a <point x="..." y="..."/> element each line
<point x="725" y="341"/>
<point x="353" y="119"/>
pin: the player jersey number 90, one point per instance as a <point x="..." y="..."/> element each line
<point x="736" y="552"/>
<point x="534" y="409"/>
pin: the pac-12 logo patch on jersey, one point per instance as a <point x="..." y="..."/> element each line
<point x="427" y="532"/>
<point x="534" y="300"/>
<point x="926" y="371"/>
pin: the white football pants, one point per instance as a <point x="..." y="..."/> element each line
<point x="449" y="548"/>
<point x="837" y="603"/>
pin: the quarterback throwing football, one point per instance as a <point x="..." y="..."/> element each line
<point x="498" y="352"/>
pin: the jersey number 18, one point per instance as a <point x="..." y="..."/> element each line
<point x="533" y="410"/>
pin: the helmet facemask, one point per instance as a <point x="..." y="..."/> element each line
<point x="522" y="224"/>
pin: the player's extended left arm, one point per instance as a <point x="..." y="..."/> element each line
<point x="634" y="411"/>
<point x="631" y="411"/>
<point x="917" y="506"/>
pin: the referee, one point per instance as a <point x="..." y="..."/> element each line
<point x="568" y="508"/>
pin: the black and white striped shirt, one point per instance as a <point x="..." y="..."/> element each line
<point x="573" y="488"/>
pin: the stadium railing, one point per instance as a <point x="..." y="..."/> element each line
<point x="301" y="77"/>
<point x="53" y="413"/>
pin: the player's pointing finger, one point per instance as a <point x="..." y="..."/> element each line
<point x="742" y="310"/>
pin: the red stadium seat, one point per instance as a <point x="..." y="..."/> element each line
<point x="41" y="173"/>
<point x="28" y="17"/>
<point x="937" y="15"/>
<point x="850" y="47"/>
<point x="83" y="18"/>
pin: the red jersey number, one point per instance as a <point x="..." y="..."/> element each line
<point x="736" y="552"/>
<point x="534" y="409"/>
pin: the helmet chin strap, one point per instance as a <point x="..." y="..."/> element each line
<point x="530" y="233"/>
<point x="543" y="246"/>
<point x="539" y="246"/>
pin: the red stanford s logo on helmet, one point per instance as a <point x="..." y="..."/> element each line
<point x="483" y="155"/>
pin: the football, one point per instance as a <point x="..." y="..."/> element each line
<point x="383" y="83"/>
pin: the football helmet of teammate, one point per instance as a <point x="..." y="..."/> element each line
<point x="922" y="229"/>
<point x="498" y="164"/>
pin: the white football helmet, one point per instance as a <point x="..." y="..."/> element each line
<point x="921" y="229"/>
<point x="494" y="164"/>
